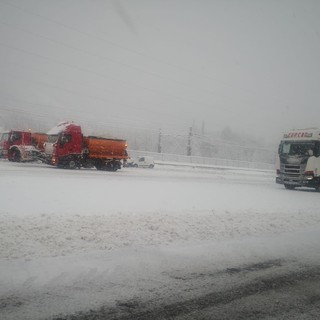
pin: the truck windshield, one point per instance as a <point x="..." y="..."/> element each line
<point x="4" y="136"/>
<point x="53" y="138"/>
<point x="296" y="148"/>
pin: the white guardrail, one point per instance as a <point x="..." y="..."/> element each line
<point x="166" y="158"/>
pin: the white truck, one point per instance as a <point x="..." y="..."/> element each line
<point x="298" y="161"/>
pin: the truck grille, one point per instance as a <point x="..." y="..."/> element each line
<point x="292" y="172"/>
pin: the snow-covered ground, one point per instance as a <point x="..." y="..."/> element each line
<point x="76" y="240"/>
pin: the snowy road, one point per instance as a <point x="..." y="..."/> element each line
<point x="138" y="243"/>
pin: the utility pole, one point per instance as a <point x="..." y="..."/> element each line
<point x="159" y="141"/>
<point x="189" y="142"/>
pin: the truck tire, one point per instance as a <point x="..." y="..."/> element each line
<point x="112" y="166"/>
<point x="98" y="164"/>
<point x="14" y="155"/>
<point x="72" y="164"/>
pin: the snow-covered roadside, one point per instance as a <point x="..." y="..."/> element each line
<point x="50" y="212"/>
<point x="74" y="239"/>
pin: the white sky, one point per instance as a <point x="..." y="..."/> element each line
<point x="251" y="65"/>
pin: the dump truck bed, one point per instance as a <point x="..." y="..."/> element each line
<point x="103" y="148"/>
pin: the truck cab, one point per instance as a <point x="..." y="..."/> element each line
<point x="64" y="145"/>
<point x="16" y="145"/>
<point x="298" y="163"/>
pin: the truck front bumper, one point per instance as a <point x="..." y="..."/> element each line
<point x="303" y="181"/>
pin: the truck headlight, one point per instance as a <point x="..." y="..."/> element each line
<point x="309" y="175"/>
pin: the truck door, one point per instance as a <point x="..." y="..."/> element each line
<point x="65" y="144"/>
<point x="69" y="144"/>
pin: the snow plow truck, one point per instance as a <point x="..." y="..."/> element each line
<point x="22" y="146"/>
<point x="67" y="147"/>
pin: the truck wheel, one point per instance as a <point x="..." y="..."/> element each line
<point x="98" y="164"/>
<point x="72" y="164"/>
<point x="14" y="155"/>
<point x="112" y="166"/>
<point x="289" y="186"/>
<point x="151" y="166"/>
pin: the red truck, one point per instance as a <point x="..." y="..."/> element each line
<point x="19" y="146"/>
<point x="67" y="147"/>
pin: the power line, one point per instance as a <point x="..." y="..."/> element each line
<point x="193" y="102"/>
<point x="115" y="122"/>
<point x="103" y="57"/>
<point x="71" y="109"/>
<point x="102" y="75"/>
<point x="93" y="36"/>
<point x="77" y="93"/>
